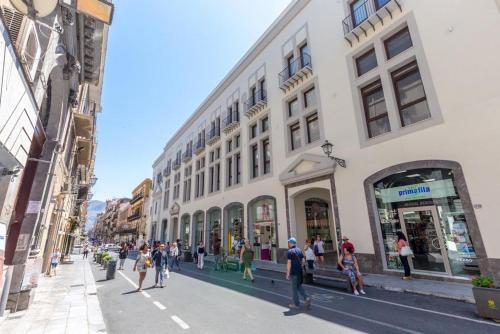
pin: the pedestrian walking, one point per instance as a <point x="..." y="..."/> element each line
<point x="246" y="258"/>
<point x="216" y="250"/>
<point x="85" y="251"/>
<point x="404" y="251"/>
<point x="160" y="261"/>
<point x="142" y="263"/>
<point x="54" y="261"/>
<point x="294" y="272"/>
<point x="310" y="257"/>
<point x="174" y="254"/>
<point x="319" y="250"/>
<point x="201" y="255"/>
<point x="122" y="255"/>
<point x="349" y="264"/>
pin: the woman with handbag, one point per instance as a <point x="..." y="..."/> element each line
<point x="404" y="251"/>
<point x="142" y="264"/>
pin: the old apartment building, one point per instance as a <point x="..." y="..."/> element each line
<point x="391" y="86"/>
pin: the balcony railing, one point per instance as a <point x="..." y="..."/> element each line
<point x="176" y="164"/>
<point x="199" y="146"/>
<point x="187" y="155"/>
<point x="231" y="121"/>
<point x="296" y="71"/>
<point x="136" y="198"/>
<point x="256" y="103"/>
<point x="134" y="216"/>
<point x="167" y="171"/>
<point x="213" y="135"/>
<point x="366" y="15"/>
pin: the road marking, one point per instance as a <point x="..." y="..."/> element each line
<point x="175" y="318"/>
<point x="159" y="305"/>
<point x="179" y="322"/>
<point x="394" y="304"/>
<point x="128" y="279"/>
<point x="381" y="323"/>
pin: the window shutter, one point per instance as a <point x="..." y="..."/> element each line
<point x="14" y="22"/>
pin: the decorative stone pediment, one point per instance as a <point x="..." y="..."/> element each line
<point x="174" y="209"/>
<point x="307" y="166"/>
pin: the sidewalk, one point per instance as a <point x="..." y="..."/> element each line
<point x="420" y="286"/>
<point x="66" y="303"/>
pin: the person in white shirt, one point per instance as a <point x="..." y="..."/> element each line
<point x="319" y="250"/>
<point x="54" y="261"/>
<point x="310" y="257"/>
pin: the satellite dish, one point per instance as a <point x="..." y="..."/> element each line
<point x="41" y="8"/>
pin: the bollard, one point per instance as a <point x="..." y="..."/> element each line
<point x="111" y="270"/>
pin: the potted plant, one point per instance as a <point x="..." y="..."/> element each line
<point x="487" y="297"/>
<point x="98" y="257"/>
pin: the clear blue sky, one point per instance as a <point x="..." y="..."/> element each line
<point x="163" y="60"/>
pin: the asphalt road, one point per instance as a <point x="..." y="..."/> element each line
<point x="206" y="302"/>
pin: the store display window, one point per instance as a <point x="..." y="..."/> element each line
<point x="425" y="205"/>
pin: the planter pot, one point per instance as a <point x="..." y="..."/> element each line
<point x="487" y="302"/>
<point x="105" y="264"/>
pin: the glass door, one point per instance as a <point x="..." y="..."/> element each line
<point x="423" y="231"/>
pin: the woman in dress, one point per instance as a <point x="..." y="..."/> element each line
<point x="246" y="257"/>
<point x="350" y="268"/>
<point x="400" y="243"/>
<point x="142" y="264"/>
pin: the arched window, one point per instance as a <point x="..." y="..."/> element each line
<point x="262" y="228"/>
<point x="213" y="227"/>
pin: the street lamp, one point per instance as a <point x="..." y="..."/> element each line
<point x="93" y="180"/>
<point x="328" y="149"/>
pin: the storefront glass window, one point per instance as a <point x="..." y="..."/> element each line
<point x="185" y="232"/>
<point x="317" y="222"/>
<point x="214" y="229"/>
<point x="198" y="233"/>
<point x="425" y="205"/>
<point x="264" y="229"/>
<point x="235" y="229"/>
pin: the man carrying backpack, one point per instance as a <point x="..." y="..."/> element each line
<point x="294" y="271"/>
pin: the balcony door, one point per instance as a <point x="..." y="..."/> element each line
<point x="359" y="12"/>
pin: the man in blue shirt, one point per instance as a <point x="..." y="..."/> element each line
<point x="294" y="271"/>
<point x="160" y="262"/>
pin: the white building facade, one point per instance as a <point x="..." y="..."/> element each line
<point x="401" y="92"/>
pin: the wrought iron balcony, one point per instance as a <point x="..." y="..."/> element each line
<point x="299" y="69"/>
<point x="213" y="135"/>
<point x="137" y="198"/>
<point x="366" y="16"/>
<point x="167" y="171"/>
<point x="199" y="146"/>
<point x="231" y="121"/>
<point x="176" y="164"/>
<point x="136" y="215"/>
<point x="187" y="155"/>
<point x="256" y="103"/>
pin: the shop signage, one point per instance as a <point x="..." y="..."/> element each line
<point x="433" y="189"/>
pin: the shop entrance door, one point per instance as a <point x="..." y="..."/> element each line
<point x="423" y="231"/>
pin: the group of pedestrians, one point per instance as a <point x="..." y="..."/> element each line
<point x="163" y="257"/>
